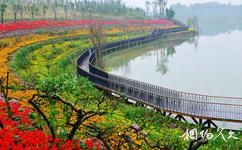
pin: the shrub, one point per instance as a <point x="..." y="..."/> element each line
<point x="3" y="44"/>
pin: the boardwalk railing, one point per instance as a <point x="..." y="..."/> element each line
<point x="181" y="103"/>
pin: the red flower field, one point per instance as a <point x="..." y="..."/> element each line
<point x="19" y="133"/>
<point x="23" y="25"/>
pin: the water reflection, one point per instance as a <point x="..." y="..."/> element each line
<point x="162" y="59"/>
<point x="211" y="66"/>
<point x="162" y="50"/>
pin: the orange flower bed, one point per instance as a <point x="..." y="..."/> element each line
<point x="15" y="43"/>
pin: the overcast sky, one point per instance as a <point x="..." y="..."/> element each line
<point x="141" y="3"/>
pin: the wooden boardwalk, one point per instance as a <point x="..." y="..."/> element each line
<point x="203" y="109"/>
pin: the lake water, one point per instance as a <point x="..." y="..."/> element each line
<point x="210" y="65"/>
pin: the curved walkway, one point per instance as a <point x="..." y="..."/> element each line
<point x="202" y="109"/>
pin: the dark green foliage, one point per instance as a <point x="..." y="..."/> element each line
<point x="73" y="45"/>
<point x="64" y="63"/>
<point x="3" y="8"/>
<point x="170" y="13"/>
<point x="20" y="58"/>
<point x="55" y="52"/>
<point x="67" y="85"/>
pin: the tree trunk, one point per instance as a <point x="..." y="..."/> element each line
<point x="2" y="21"/>
<point x="21" y="14"/>
<point x="55" y="16"/>
<point x="32" y="13"/>
<point x="194" y="145"/>
<point x="161" y="12"/>
<point x="90" y="15"/>
<point x="83" y="16"/>
<point x="106" y="143"/>
<point x="54" y="8"/>
<point x="15" y="16"/>
<point x="66" y="15"/>
<point x="76" y="125"/>
<point x="44" y="117"/>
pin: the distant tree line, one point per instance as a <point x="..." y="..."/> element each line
<point x="83" y="7"/>
<point x="159" y="9"/>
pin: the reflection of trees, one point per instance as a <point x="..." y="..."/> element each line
<point x="194" y="40"/>
<point x="126" y="69"/>
<point x="163" y="49"/>
<point x="168" y="50"/>
<point x="118" y="60"/>
<point x="163" y="58"/>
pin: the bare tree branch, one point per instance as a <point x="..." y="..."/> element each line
<point x="100" y="135"/>
<point x="97" y="38"/>
<point x="80" y="116"/>
<point x="4" y="91"/>
<point x="76" y="125"/>
<point x="59" y="99"/>
<point x="195" y="144"/>
<point x="43" y="116"/>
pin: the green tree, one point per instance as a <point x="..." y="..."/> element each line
<point x="44" y="9"/>
<point x="21" y="8"/>
<point x="162" y="6"/>
<point x="16" y="7"/>
<point x="66" y="5"/>
<point x="170" y="13"/>
<point x="147" y="4"/>
<point x="34" y="9"/>
<point x="3" y="8"/>
<point x="155" y="6"/>
<point x="54" y="6"/>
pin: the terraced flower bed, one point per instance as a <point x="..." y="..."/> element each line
<point x="55" y="55"/>
<point x="80" y="116"/>
<point x="10" y="45"/>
